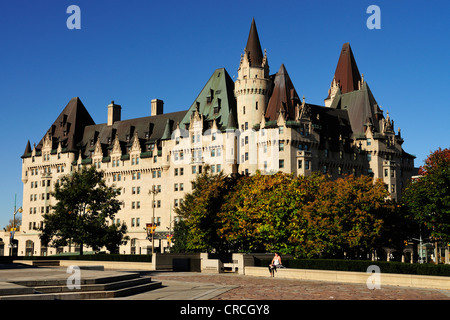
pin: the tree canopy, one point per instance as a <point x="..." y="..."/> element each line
<point x="427" y="198"/>
<point x="85" y="206"/>
<point x="305" y="216"/>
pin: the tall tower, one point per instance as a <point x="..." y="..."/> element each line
<point x="252" y="84"/>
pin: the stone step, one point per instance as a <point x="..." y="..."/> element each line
<point x="94" y="287"/>
<point x="45" y="263"/>
<point x="83" y="281"/>
<point x="84" y="295"/>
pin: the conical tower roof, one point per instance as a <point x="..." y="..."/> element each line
<point x="284" y="97"/>
<point x="347" y="73"/>
<point x="28" y="150"/>
<point x="253" y="47"/>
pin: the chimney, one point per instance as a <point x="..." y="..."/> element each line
<point x="113" y="113"/>
<point x="157" y="107"/>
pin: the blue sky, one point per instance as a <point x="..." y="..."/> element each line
<point x="134" y="51"/>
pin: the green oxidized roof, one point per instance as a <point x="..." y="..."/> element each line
<point x="215" y="101"/>
<point x="362" y="108"/>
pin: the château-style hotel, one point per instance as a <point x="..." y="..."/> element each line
<point x="258" y="122"/>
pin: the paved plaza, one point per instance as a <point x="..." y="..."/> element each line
<point x="231" y="286"/>
<point x="240" y="287"/>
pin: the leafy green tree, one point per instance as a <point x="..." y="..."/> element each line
<point x="200" y="211"/>
<point x="257" y="215"/>
<point x="428" y="197"/>
<point x="179" y="237"/>
<point x="84" y="205"/>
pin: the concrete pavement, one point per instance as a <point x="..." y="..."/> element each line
<point x="231" y="286"/>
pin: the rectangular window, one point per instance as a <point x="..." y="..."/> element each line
<point x="299" y="164"/>
<point x="281" y="164"/>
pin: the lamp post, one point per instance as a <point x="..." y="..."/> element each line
<point x="153" y="192"/>
<point x="13" y="230"/>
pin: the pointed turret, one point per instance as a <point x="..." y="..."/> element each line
<point x="27" y="151"/>
<point x="284" y="97"/>
<point x="347" y="75"/>
<point x="253" y="47"/>
<point x="167" y="131"/>
<point x="252" y="96"/>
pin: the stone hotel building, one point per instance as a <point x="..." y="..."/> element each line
<point x="257" y="122"/>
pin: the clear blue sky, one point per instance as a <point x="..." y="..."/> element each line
<point x="134" y="51"/>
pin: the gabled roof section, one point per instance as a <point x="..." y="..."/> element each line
<point x="215" y="101"/>
<point x="284" y="97"/>
<point x="347" y="73"/>
<point x="362" y="108"/>
<point x="253" y="47"/>
<point x="69" y="125"/>
<point x="148" y="130"/>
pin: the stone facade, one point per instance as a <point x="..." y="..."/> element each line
<point x="256" y="123"/>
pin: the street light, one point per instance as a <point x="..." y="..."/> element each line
<point x="153" y="192"/>
<point x="13" y="230"/>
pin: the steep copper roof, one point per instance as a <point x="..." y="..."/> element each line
<point x="284" y="97"/>
<point x="253" y="47"/>
<point x="347" y="73"/>
<point x="69" y="125"/>
<point x="215" y="101"/>
<point x="362" y="108"/>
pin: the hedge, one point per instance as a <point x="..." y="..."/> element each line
<point x="362" y="265"/>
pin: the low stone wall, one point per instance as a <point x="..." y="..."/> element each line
<point x="111" y="265"/>
<point x="160" y="261"/>
<point x="388" y="279"/>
